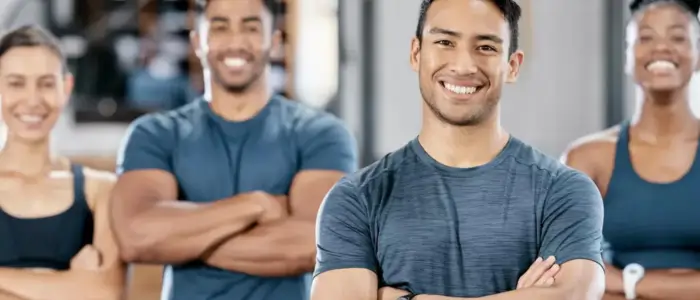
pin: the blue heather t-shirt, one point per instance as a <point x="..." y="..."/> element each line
<point x="212" y="159"/>
<point x="432" y="229"/>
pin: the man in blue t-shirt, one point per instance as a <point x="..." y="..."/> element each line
<point x="225" y="190"/>
<point x="465" y="209"/>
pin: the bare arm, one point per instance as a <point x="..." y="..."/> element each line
<point x="577" y="280"/>
<point x="666" y="285"/>
<point x="346" y="284"/>
<point x="105" y="281"/>
<point x="327" y="152"/>
<point x="286" y="247"/>
<point x="151" y="226"/>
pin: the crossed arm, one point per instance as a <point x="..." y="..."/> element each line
<point x="571" y="230"/>
<point x="658" y="285"/>
<point x="229" y="233"/>
<point x="103" y="279"/>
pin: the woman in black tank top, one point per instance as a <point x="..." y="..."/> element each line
<point x="55" y="238"/>
<point x="648" y="168"/>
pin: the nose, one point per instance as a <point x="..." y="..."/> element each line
<point x="465" y="64"/>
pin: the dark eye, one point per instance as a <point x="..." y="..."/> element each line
<point x="16" y="84"/>
<point x="645" y="39"/>
<point x="678" y="38"/>
<point x="252" y="28"/>
<point x="487" y="48"/>
<point x="444" y="43"/>
<point x="48" y="85"/>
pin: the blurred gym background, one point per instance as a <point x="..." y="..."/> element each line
<point x="348" y="56"/>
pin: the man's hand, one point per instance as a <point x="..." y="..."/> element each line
<point x="540" y="274"/>
<point x="613" y="280"/>
<point x="276" y="207"/>
<point x="87" y="259"/>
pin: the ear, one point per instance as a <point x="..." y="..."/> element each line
<point x="194" y="42"/>
<point x="277" y="42"/>
<point x="514" y="63"/>
<point x="68" y="85"/>
<point x="415" y="54"/>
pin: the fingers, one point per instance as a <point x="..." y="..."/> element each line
<point x="547" y="279"/>
<point x="535" y="272"/>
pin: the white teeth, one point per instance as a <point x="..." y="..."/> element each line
<point x="661" y="66"/>
<point x="235" y="62"/>
<point x="464" y="90"/>
<point x="31" y="118"/>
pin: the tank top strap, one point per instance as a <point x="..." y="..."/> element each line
<point x="623" y="161"/>
<point x="79" y="185"/>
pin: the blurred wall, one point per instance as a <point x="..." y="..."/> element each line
<point x="558" y="98"/>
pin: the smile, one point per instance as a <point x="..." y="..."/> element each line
<point x="461" y="91"/>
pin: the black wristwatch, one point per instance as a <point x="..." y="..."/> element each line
<point x="407" y="297"/>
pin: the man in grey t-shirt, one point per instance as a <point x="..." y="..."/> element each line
<point x="464" y="209"/>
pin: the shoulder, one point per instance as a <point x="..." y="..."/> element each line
<point x="307" y="121"/>
<point x="592" y="152"/>
<point x="167" y="121"/>
<point x="98" y="186"/>
<point x="381" y="174"/>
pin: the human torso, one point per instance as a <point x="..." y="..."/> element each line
<point x="457" y="232"/>
<point x="215" y="159"/>
<point x="44" y="223"/>
<point x="651" y="202"/>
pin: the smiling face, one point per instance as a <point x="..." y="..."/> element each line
<point x="463" y="60"/>
<point x="664" y="48"/>
<point x="34" y="90"/>
<point x="234" y="40"/>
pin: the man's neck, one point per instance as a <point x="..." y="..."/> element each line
<point x="29" y="158"/>
<point x="238" y="106"/>
<point x="462" y="146"/>
<point x="666" y="119"/>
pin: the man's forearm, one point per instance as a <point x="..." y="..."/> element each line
<point x="521" y="294"/>
<point x="285" y="248"/>
<point x="662" y="285"/>
<point x="59" y="285"/>
<point x="176" y="232"/>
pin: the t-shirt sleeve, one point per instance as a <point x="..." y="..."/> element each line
<point x="343" y="237"/>
<point x="327" y="144"/>
<point x="148" y="144"/>
<point x="572" y="221"/>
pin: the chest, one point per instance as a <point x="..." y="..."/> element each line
<point x="212" y="165"/>
<point x="34" y="200"/>
<point x="482" y="230"/>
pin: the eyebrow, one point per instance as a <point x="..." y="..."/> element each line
<point x="21" y="76"/>
<point x="452" y="33"/>
<point x="443" y="31"/>
<point x="674" y="26"/>
<point x="250" y="19"/>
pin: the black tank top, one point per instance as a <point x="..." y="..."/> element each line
<point x="48" y="242"/>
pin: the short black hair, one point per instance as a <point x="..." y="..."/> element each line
<point x="510" y="9"/>
<point x="32" y="36"/>
<point x="272" y="5"/>
<point x="692" y="7"/>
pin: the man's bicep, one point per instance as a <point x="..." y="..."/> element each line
<point x="343" y="239"/>
<point x="572" y="221"/>
<point x="327" y="144"/>
<point x="582" y="277"/>
<point x="345" y="284"/>
<point x="147" y="145"/>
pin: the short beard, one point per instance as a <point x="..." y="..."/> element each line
<point x="471" y="120"/>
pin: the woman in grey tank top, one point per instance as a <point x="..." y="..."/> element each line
<point x="647" y="169"/>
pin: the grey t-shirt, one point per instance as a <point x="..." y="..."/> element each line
<point x="213" y="158"/>
<point x="432" y="229"/>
